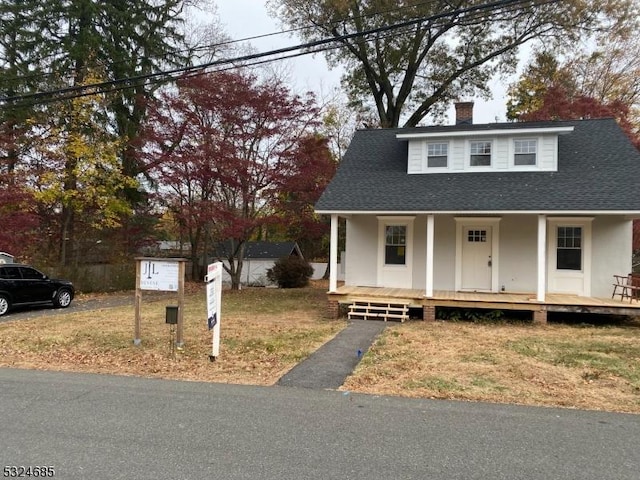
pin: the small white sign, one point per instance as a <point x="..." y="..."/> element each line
<point x="159" y="275"/>
<point x="214" y="304"/>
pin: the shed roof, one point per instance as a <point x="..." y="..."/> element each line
<point x="598" y="170"/>
<point x="261" y="250"/>
<point x="268" y="250"/>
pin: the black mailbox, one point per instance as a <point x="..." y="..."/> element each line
<point x="172" y="314"/>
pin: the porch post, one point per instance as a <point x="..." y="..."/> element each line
<point x="333" y="254"/>
<point x="430" y="242"/>
<point x="542" y="257"/>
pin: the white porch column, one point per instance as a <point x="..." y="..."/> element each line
<point x="430" y="242"/>
<point x="542" y="257"/>
<point x="333" y="255"/>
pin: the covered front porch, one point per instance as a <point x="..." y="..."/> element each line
<point x="415" y="298"/>
<point x="509" y="261"/>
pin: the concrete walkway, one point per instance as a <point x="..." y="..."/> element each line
<point x="331" y="364"/>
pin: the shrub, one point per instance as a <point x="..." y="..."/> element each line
<point x="290" y="272"/>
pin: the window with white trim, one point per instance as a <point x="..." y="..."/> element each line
<point x="480" y="153"/>
<point x="525" y="152"/>
<point x="569" y="248"/>
<point x="395" y="250"/>
<point x="437" y="155"/>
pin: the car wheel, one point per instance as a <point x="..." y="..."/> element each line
<point x="4" y="304"/>
<point x="62" y="298"/>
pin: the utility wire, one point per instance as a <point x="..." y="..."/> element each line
<point x="250" y="57"/>
<point x="170" y="75"/>
<point x="225" y="43"/>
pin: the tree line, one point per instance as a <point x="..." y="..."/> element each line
<point x="223" y="157"/>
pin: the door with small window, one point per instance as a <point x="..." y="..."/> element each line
<point x="476" y="258"/>
<point x="569" y="256"/>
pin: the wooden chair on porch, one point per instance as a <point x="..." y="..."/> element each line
<point x="627" y="286"/>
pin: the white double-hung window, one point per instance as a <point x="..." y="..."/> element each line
<point x="525" y="152"/>
<point x="480" y="153"/>
<point x="395" y="245"/>
<point x="437" y="155"/>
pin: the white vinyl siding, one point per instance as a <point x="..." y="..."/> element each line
<point x="415" y="159"/>
<point x="548" y="156"/>
<point x="502" y="157"/>
<point x="500" y="154"/>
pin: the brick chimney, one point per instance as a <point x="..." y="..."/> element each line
<point x="464" y="113"/>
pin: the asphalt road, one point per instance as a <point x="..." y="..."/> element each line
<point x="109" y="427"/>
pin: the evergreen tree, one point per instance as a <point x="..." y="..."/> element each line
<point x="60" y="44"/>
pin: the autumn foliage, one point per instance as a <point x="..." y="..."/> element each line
<point x="17" y="217"/>
<point x="557" y="104"/>
<point x="228" y="151"/>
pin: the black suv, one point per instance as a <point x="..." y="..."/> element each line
<point x="24" y="285"/>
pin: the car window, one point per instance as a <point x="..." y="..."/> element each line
<point x="30" y="273"/>
<point x="10" y="273"/>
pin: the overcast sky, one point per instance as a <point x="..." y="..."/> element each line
<point x="248" y="18"/>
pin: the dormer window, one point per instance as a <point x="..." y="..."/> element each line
<point x="525" y="152"/>
<point x="437" y="150"/>
<point x="480" y="154"/>
<point x="437" y="155"/>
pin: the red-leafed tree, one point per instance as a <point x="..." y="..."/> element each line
<point x="18" y="220"/>
<point x="558" y="104"/>
<point x="314" y="167"/>
<point x="222" y="148"/>
<point x="17" y="217"/>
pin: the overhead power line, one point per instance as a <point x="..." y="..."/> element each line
<point x="209" y="47"/>
<point x="308" y="47"/>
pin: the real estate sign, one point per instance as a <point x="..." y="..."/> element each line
<point x="159" y="275"/>
<point x="164" y="275"/>
<point x="214" y="303"/>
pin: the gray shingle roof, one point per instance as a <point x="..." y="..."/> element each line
<point x="268" y="250"/>
<point x="261" y="250"/>
<point x="598" y="170"/>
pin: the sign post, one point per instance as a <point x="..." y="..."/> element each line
<point x="214" y="303"/>
<point x="160" y="274"/>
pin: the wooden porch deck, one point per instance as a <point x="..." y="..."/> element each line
<point x="554" y="302"/>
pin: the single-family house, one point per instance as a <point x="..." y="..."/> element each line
<point x="532" y="216"/>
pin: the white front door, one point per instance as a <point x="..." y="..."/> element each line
<point x="476" y="257"/>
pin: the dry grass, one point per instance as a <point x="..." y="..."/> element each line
<point x="556" y="365"/>
<point x="264" y="333"/>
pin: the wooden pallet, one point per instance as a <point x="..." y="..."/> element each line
<point x="378" y="310"/>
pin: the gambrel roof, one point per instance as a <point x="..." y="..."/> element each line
<point x="598" y="171"/>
